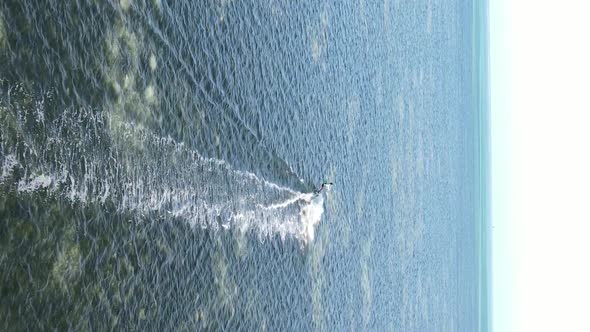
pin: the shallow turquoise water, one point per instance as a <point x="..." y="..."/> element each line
<point x="158" y="163"/>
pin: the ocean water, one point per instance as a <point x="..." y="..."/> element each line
<point x="158" y="161"/>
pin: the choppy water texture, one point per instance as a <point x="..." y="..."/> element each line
<point x="158" y="161"/>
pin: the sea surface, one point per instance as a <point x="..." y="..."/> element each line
<point x="158" y="161"/>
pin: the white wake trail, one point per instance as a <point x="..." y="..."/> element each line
<point x="90" y="158"/>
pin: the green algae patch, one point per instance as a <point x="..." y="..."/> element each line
<point x="125" y="4"/>
<point x="2" y="33"/>
<point x="153" y="62"/>
<point x="66" y="269"/>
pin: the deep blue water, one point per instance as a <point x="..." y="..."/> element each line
<point x="159" y="160"/>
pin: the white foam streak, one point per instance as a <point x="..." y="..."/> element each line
<point x="8" y="166"/>
<point x="154" y="176"/>
<point x="283" y="204"/>
<point x="311" y="215"/>
<point x="36" y="183"/>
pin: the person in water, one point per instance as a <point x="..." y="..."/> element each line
<point x="324" y="184"/>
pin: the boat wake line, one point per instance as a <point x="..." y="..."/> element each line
<point x="89" y="157"/>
